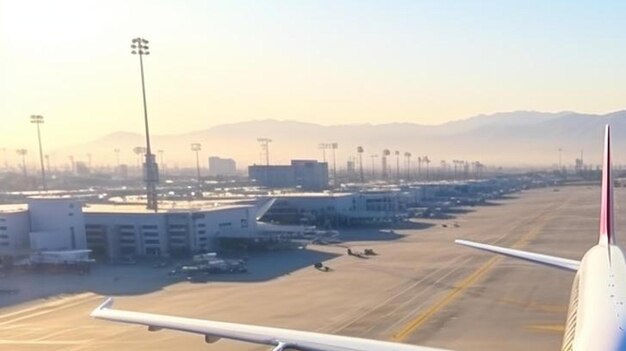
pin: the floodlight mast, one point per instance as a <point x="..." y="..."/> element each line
<point x="265" y="148"/>
<point x="196" y="147"/>
<point x="38" y="119"/>
<point x="140" y="47"/>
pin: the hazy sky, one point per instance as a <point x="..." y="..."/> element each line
<point x="328" y="62"/>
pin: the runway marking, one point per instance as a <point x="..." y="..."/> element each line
<point x="51" y="310"/>
<point x="535" y="306"/>
<point x="45" y="305"/>
<point x="383" y="303"/>
<point x="437" y="272"/>
<point x="551" y="328"/>
<point x="54" y="334"/>
<point x="456" y="292"/>
<point x="470" y="280"/>
<point x="29" y="342"/>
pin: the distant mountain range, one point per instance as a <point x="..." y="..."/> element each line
<point x="520" y="138"/>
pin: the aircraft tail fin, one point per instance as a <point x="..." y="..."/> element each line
<point x="607" y="223"/>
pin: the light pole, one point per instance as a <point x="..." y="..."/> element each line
<point x="373" y="165"/>
<point x="331" y="146"/>
<point x="48" y="164"/>
<point x="334" y="147"/>
<point x="323" y="147"/>
<point x="140" y="47"/>
<point x="386" y="154"/>
<point x="265" y="148"/>
<point x="397" y="153"/>
<point x="419" y="167"/>
<point x="37" y="120"/>
<point x="360" y="150"/>
<point x="161" y="160"/>
<point x="195" y="147"/>
<point x="560" y="151"/>
<point x="72" y="165"/>
<point x="139" y="150"/>
<point x="6" y="160"/>
<point x="23" y="152"/>
<point x="408" y="165"/>
<point x="117" y="158"/>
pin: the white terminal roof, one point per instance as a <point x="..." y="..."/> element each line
<point x="13" y="208"/>
<point x="171" y="207"/>
<point x="313" y="195"/>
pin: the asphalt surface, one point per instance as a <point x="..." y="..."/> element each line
<point x="420" y="289"/>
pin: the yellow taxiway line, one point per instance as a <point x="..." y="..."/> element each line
<point x="466" y="283"/>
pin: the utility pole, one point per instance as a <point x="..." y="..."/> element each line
<point x="560" y="151"/>
<point x="38" y="120"/>
<point x="140" y="47"/>
<point x="360" y="150"/>
<point x="426" y="160"/>
<point x="195" y="147"/>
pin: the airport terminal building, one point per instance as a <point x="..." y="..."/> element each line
<point x="44" y="224"/>
<point x="337" y="209"/>
<point x="115" y="231"/>
<point x="66" y="225"/>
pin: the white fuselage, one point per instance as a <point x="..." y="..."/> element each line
<point x="597" y="314"/>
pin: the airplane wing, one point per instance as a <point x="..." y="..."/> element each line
<point x="279" y="339"/>
<point x="558" y="262"/>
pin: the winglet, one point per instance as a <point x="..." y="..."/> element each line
<point x="103" y="306"/>
<point x="261" y="211"/>
<point x="607" y="223"/>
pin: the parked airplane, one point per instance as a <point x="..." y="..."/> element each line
<point x="595" y="321"/>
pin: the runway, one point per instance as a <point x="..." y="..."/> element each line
<point x="421" y="289"/>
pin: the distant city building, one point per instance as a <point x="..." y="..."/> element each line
<point x="121" y="171"/>
<point x="306" y="174"/>
<point x="350" y="168"/>
<point x="222" y="166"/>
<point x="81" y="168"/>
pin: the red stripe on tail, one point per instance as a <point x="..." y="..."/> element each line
<point x="607" y="234"/>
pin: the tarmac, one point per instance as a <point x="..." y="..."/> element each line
<point x="420" y="289"/>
